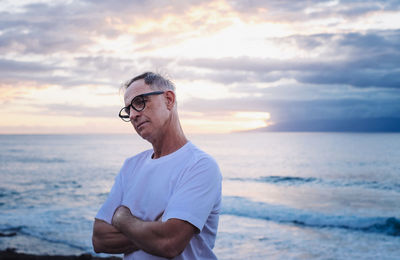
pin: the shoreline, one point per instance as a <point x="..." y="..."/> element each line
<point x="12" y="254"/>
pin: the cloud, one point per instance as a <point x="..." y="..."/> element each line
<point x="79" y="111"/>
<point x="290" y="101"/>
<point x="69" y="72"/>
<point x="75" y="26"/>
<point x="45" y="29"/>
<point x="282" y="110"/>
<point x="8" y="66"/>
<point x="359" y="60"/>
<point x="72" y="27"/>
<point x="305" y="10"/>
<point x="41" y="73"/>
<point x="341" y="73"/>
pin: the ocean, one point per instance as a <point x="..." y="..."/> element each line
<point x="285" y="195"/>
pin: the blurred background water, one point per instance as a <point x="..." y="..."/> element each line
<point x="285" y="195"/>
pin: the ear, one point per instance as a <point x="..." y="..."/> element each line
<point x="169" y="99"/>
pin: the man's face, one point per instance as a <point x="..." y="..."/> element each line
<point x="149" y="122"/>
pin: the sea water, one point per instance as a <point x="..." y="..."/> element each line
<point x="285" y="195"/>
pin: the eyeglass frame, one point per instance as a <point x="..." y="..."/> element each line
<point x="123" y="117"/>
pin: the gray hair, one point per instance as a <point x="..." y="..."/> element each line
<point x="154" y="80"/>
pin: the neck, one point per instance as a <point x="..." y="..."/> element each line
<point x="172" y="139"/>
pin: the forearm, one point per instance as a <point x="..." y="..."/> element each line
<point x="146" y="235"/>
<point x="165" y="239"/>
<point x="107" y="239"/>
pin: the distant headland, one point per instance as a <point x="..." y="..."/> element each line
<point x="365" y="125"/>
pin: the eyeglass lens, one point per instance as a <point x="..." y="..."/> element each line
<point x="138" y="103"/>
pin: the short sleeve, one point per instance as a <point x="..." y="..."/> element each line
<point x="114" y="200"/>
<point x="197" y="194"/>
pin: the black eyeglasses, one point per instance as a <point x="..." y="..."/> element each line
<point x="138" y="103"/>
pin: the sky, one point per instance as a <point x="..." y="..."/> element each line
<point x="237" y="65"/>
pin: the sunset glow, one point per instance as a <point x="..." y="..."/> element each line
<point x="236" y="66"/>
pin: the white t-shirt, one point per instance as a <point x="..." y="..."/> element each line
<point x="185" y="185"/>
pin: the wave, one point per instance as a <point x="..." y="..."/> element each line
<point x="242" y="207"/>
<point x="289" y="180"/>
<point x="24" y="230"/>
<point x="10" y="231"/>
<point x="295" y="181"/>
<point x="7" y="193"/>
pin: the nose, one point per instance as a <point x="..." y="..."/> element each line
<point x="133" y="114"/>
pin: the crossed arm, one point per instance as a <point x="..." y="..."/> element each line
<point x="128" y="233"/>
<point x="107" y="239"/>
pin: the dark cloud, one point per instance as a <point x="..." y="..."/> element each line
<point x="308" y="10"/>
<point x="13" y="66"/>
<point x="24" y="71"/>
<point x="81" y="70"/>
<point x="359" y="60"/>
<point x="349" y="45"/>
<point x="282" y="110"/>
<point x="44" y="29"/>
<point x="362" y="72"/>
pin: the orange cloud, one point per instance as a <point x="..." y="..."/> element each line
<point x="17" y="89"/>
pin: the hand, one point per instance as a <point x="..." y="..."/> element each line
<point x="166" y="239"/>
<point x="107" y="239"/>
<point x="120" y="215"/>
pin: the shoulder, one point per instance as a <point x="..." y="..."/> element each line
<point x="197" y="154"/>
<point x="202" y="161"/>
<point x="135" y="160"/>
<point x="138" y="157"/>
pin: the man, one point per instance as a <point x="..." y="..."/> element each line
<point x="165" y="202"/>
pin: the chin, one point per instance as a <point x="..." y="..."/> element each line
<point x="144" y="134"/>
